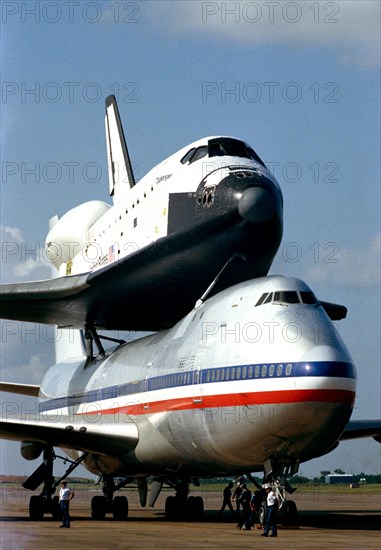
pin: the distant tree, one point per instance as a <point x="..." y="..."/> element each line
<point x="324" y="473"/>
<point x="298" y="479"/>
<point x="338" y="471"/>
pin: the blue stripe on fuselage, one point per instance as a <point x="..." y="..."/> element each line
<point x="328" y="369"/>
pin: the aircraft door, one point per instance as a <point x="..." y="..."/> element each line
<point x="197" y="377"/>
<point x="146" y="386"/>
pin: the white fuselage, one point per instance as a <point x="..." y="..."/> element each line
<point x="232" y="386"/>
<point x="95" y="234"/>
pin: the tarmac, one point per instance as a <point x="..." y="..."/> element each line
<point x="341" y="521"/>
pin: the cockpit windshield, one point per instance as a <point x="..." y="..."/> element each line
<point x="221" y="147"/>
<point x="287" y="297"/>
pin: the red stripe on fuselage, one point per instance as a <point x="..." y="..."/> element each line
<point x="230" y="400"/>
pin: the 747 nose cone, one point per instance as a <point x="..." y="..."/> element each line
<point x="256" y="205"/>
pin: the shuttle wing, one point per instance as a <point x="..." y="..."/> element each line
<point x="130" y="294"/>
<point x="362" y="428"/>
<point x="149" y="290"/>
<point x="102" y="437"/>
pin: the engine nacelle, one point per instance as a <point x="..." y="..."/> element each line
<point x="69" y="234"/>
<point x="31" y="450"/>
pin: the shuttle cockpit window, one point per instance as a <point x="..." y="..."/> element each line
<point x="200" y="153"/>
<point x="186" y="158"/>
<point x="230" y="147"/>
<point x="221" y="147"/>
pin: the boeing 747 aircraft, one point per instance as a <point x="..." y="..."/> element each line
<point x="240" y="378"/>
<point x="255" y="378"/>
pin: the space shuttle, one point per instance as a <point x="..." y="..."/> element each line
<point x="210" y="214"/>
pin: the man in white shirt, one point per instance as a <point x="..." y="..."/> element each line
<point x="66" y="495"/>
<point x="272" y="509"/>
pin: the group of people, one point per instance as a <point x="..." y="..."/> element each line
<point x="250" y="504"/>
<point x="242" y="496"/>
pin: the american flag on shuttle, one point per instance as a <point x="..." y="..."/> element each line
<point x="111" y="254"/>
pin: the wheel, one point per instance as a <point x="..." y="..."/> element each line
<point x="195" y="508"/>
<point x="36" y="508"/>
<point x="262" y="514"/>
<point x="172" y="508"/>
<point x="98" y="507"/>
<point x="291" y="512"/>
<point x="56" y="510"/>
<point x="200" y="506"/>
<point x="120" y="508"/>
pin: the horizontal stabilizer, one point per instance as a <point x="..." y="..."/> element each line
<point x="21" y="389"/>
<point x="362" y="428"/>
<point x="98" y="436"/>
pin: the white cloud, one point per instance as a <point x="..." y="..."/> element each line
<point x="354" y="267"/>
<point x="349" y="28"/>
<point x="21" y="260"/>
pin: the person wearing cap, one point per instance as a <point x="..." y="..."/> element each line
<point x="272" y="509"/>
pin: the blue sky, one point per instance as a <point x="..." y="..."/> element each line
<point x="299" y="81"/>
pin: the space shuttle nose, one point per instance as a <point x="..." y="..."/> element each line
<point x="256" y="205"/>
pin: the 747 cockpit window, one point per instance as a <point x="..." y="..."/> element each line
<point x="288" y="297"/>
<point x="308" y="297"/>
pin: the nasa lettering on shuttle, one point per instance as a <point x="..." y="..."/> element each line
<point x="244" y="372"/>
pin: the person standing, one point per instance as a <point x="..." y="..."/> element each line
<point x="272" y="509"/>
<point x="66" y="495"/>
<point x="256" y="501"/>
<point x="227" y="495"/>
<point x="236" y="497"/>
<point x="245" y="500"/>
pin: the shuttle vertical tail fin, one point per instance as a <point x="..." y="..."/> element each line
<point x="119" y="164"/>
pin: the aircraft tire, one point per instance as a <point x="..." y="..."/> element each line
<point x="120" y="508"/>
<point x="262" y="514"/>
<point x="56" y="510"/>
<point x="36" y="508"/>
<point x="98" y="507"/>
<point x="291" y="512"/>
<point x="172" y="508"/>
<point x="195" y="508"/>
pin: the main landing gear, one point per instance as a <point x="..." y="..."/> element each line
<point x="118" y="506"/>
<point x="182" y="506"/>
<point x="287" y="510"/>
<point x="46" y="502"/>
